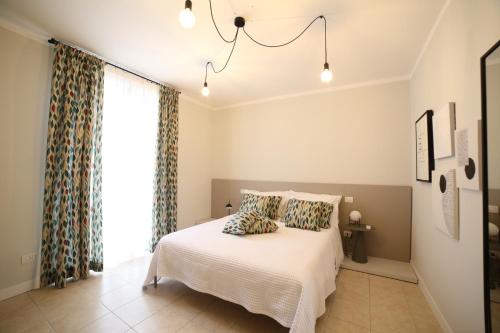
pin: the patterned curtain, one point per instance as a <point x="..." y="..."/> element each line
<point x="72" y="172"/>
<point x="165" y="179"/>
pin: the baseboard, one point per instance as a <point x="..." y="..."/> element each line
<point x="16" y="289"/>
<point x="435" y="309"/>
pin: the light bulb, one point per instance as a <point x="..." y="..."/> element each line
<point x="326" y="75"/>
<point x="186" y="16"/>
<point x="205" y="91"/>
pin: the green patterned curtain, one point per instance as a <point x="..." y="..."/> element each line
<point x="71" y="232"/>
<point x="165" y="179"/>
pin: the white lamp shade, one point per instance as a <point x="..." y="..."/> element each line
<point x="355" y="216"/>
<point x="326" y="76"/>
<point x="205" y="91"/>
<point x="186" y="18"/>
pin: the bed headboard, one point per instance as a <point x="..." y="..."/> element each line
<point x="386" y="207"/>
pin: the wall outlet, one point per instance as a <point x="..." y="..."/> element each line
<point x="493" y="209"/>
<point x="28" y="258"/>
<point x="347" y="233"/>
<point x="349" y="199"/>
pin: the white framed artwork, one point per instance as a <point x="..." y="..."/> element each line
<point x="444" y="130"/>
<point x="445" y="201"/>
<point x="468" y="147"/>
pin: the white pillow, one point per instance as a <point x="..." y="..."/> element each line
<point x="328" y="198"/>
<point x="285" y="195"/>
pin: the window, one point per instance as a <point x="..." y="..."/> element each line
<point x="130" y="117"/>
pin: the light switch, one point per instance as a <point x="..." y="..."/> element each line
<point x="349" y="199"/>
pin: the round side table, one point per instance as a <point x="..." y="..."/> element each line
<point x="358" y="234"/>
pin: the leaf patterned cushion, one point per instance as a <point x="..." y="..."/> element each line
<point x="262" y="225"/>
<point x="264" y="205"/>
<point x="239" y="223"/>
<point x="326" y="212"/>
<point x="305" y="215"/>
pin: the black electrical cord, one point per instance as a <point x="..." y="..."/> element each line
<point x="227" y="61"/>
<point x="293" y="39"/>
<point x="215" y="25"/>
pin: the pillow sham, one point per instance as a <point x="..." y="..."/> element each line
<point x="328" y="198"/>
<point x="267" y="206"/>
<point x="239" y="223"/>
<point x="285" y="196"/>
<point x="303" y="214"/>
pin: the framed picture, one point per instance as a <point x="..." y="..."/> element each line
<point x="468" y="156"/>
<point x="445" y="201"/>
<point x="444" y="131"/>
<point x="424" y="147"/>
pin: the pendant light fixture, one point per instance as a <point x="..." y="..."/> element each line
<point x="187" y="20"/>
<point x="186" y="16"/>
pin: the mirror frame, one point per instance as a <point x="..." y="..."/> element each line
<point x="486" y="249"/>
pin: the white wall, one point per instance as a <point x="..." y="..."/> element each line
<point x="25" y="67"/>
<point x="449" y="71"/>
<point x="357" y="136"/>
<point x="194" y="173"/>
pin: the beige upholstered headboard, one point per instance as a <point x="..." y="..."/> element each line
<point x="388" y="208"/>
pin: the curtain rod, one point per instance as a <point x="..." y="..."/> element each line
<point x="54" y="41"/>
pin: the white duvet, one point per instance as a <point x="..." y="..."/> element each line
<point x="285" y="275"/>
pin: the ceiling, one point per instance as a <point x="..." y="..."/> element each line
<point x="367" y="40"/>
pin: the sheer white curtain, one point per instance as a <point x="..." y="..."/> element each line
<point x="130" y="118"/>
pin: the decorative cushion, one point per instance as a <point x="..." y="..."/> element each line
<point x="326" y="212"/>
<point x="262" y="225"/>
<point x="239" y="223"/>
<point x="267" y="206"/>
<point x="305" y="215"/>
<point x="328" y="198"/>
<point x="285" y="196"/>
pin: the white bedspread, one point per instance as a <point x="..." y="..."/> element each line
<point x="285" y="275"/>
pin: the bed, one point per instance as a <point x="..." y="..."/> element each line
<point x="286" y="275"/>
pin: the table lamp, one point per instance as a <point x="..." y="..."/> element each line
<point x="354" y="217"/>
<point x="229" y="207"/>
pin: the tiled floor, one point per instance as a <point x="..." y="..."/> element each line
<point x="115" y="302"/>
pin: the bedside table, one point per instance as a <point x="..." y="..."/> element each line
<point x="358" y="234"/>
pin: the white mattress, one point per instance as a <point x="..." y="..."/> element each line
<point x="285" y="275"/>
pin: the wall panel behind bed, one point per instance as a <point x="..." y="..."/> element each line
<point x="386" y="207"/>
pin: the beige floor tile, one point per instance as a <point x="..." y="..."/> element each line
<point x="139" y="309"/>
<point x="220" y="316"/>
<point x="42" y="327"/>
<point x="121" y="296"/>
<point x="168" y="289"/>
<point x="22" y="320"/>
<point x="353" y="276"/>
<point x="194" y="328"/>
<point x="17" y="303"/>
<point x="394" y="316"/>
<point x="99" y="284"/>
<point x="191" y="304"/>
<point x="247" y="322"/>
<point x="387" y="283"/>
<point x="49" y="296"/>
<point x="334" y="325"/>
<point x="361" y="303"/>
<point x="166" y="320"/>
<point x="107" y="324"/>
<point x="75" y="317"/>
<point x="358" y="289"/>
<point x="355" y="311"/>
